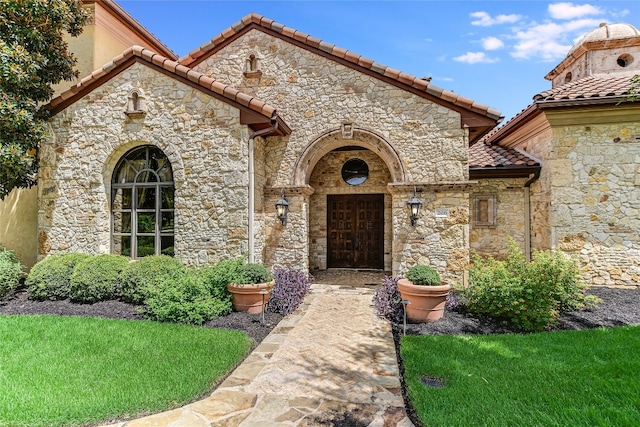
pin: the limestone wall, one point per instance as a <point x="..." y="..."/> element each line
<point x="596" y="199"/>
<point x="440" y="236"/>
<point x="510" y="216"/>
<point x="202" y="138"/>
<point x="316" y="96"/>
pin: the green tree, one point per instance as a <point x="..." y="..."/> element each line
<point x="633" y="94"/>
<point x="33" y="57"/>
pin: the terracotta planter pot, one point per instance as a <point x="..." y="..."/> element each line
<point x="248" y="297"/>
<point x="426" y="303"/>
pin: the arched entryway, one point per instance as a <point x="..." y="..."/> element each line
<point x="350" y="209"/>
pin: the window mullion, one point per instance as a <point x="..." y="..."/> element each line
<point x="134" y="222"/>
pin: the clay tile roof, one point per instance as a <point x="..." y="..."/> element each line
<point x="357" y="60"/>
<point x="490" y="158"/>
<point x="588" y="88"/>
<point x="145" y="55"/>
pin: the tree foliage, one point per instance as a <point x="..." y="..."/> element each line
<point x="33" y="57"/>
<point x="633" y="94"/>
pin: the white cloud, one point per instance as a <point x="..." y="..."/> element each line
<point x="567" y="10"/>
<point x="492" y="43"/>
<point x="475" y="58"/>
<point x="485" y="20"/>
<point x="547" y="41"/>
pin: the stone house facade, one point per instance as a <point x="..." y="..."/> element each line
<point x="586" y="136"/>
<point x="154" y="154"/>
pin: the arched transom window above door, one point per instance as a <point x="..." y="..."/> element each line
<point x="142" y="204"/>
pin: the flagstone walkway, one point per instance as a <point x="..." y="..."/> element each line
<point x="331" y="363"/>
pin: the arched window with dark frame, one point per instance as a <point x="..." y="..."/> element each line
<point x="142" y="204"/>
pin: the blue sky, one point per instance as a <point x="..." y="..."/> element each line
<point x="495" y="52"/>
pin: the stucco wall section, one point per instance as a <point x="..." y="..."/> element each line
<point x="510" y="216"/>
<point x="18" y="224"/>
<point x="201" y="137"/>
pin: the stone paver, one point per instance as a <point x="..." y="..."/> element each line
<point x="331" y="361"/>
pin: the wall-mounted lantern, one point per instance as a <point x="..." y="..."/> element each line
<point x="282" y="208"/>
<point x="415" y="205"/>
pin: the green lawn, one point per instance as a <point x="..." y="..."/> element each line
<point x="57" y="371"/>
<point x="570" y="378"/>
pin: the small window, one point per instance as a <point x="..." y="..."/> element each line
<point x="568" y="77"/>
<point x="355" y="171"/>
<point x="624" y="60"/>
<point x="484" y="210"/>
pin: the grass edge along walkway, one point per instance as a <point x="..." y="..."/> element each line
<point x="57" y="371"/>
<point x="566" y="378"/>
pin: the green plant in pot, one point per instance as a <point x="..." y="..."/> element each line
<point x="423" y="289"/>
<point x="250" y="288"/>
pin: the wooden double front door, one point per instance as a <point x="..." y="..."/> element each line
<point x="355" y="231"/>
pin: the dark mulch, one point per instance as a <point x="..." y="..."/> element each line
<point x="618" y="307"/>
<point x="20" y="304"/>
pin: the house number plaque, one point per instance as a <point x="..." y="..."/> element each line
<point x="442" y="213"/>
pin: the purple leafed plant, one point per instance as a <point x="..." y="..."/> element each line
<point x="289" y="290"/>
<point x="387" y="301"/>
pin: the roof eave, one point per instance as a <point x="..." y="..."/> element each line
<point x="121" y="14"/>
<point x="581" y="102"/>
<point x="503" y="172"/>
<point x="473" y="114"/>
<point x="512" y="125"/>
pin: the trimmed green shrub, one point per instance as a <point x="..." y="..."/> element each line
<point x="10" y="271"/>
<point x="530" y="295"/>
<point x="97" y="278"/>
<point x="423" y="275"/>
<point x="220" y="275"/>
<point x="50" y="279"/>
<point x="184" y="298"/>
<point x="141" y="276"/>
<point x="253" y="274"/>
<point x="568" y="288"/>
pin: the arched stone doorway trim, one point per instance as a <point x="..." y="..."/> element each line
<point x="333" y="139"/>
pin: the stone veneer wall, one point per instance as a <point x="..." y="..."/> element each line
<point x="539" y="145"/>
<point x="200" y="135"/>
<point x="510" y="216"/>
<point x="316" y="95"/>
<point x="596" y="199"/>
<point x="438" y="240"/>
<point x="327" y="179"/>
